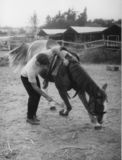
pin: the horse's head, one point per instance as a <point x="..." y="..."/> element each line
<point x="96" y="105"/>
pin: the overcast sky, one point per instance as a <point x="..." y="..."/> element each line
<point x="16" y="13"/>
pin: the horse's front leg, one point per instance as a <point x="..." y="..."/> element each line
<point x="82" y="97"/>
<point x="63" y="94"/>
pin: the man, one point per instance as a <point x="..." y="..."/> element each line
<point x="29" y="77"/>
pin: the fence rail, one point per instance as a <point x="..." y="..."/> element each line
<point x="115" y="44"/>
<point x="8" y="45"/>
<point x="92" y="44"/>
<point x="11" y="42"/>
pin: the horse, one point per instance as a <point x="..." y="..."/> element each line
<point x="68" y="77"/>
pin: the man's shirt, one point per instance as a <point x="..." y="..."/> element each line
<point x="31" y="70"/>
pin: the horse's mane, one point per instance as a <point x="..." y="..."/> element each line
<point x="82" y="80"/>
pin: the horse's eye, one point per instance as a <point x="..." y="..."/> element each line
<point x="104" y="112"/>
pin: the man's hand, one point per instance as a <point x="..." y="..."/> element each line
<point x="49" y="99"/>
<point x="41" y="92"/>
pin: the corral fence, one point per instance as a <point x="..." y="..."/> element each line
<point x="92" y="44"/>
<point x="12" y="42"/>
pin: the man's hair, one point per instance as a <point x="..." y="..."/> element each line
<point x="42" y="59"/>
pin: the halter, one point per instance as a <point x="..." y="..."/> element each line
<point x="93" y="108"/>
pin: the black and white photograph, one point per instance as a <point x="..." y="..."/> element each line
<point x="60" y="79"/>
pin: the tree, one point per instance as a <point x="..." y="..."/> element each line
<point x="70" y="17"/>
<point x="48" y="20"/>
<point x="82" y="18"/>
<point x="34" y="23"/>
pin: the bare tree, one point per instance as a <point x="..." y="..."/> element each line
<point x="34" y="23"/>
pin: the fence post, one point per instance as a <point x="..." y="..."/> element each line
<point x="62" y="43"/>
<point x="9" y="46"/>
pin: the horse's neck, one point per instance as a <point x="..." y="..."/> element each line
<point x="92" y="88"/>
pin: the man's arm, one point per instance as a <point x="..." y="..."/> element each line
<point x="39" y="91"/>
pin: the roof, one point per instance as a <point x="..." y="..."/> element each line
<point x="53" y="31"/>
<point x="119" y="25"/>
<point x="116" y="24"/>
<point x="87" y="29"/>
<point x="114" y="29"/>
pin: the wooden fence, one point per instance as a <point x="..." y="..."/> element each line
<point x="92" y="44"/>
<point x="11" y="44"/>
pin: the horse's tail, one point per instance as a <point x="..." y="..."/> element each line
<point x="18" y="57"/>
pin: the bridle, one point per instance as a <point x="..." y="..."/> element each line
<point x="93" y="109"/>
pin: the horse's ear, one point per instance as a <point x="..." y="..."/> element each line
<point x="104" y="86"/>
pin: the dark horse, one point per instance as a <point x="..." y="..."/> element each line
<point x="74" y="77"/>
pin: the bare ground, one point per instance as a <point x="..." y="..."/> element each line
<point x="58" y="138"/>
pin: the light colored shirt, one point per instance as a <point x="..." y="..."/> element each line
<point x="31" y="70"/>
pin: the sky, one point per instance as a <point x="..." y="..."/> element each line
<point x="17" y="13"/>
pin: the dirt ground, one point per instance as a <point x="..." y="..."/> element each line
<point x="58" y="138"/>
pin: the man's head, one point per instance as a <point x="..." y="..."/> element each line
<point x="42" y="59"/>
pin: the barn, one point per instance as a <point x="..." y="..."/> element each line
<point x="56" y="34"/>
<point x="83" y="34"/>
<point x="113" y="33"/>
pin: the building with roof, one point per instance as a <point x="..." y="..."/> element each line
<point x="83" y="34"/>
<point x="56" y="34"/>
<point x="113" y="33"/>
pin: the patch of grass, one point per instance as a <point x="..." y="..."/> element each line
<point x="100" y="55"/>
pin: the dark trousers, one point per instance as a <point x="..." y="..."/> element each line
<point x="34" y="97"/>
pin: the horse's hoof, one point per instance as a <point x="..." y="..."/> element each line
<point x="98" y="127"/>
<point x="52" y="108"/>
<point x="62" y="113"/>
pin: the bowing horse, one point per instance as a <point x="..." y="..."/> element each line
<point x="68" y="77"/>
